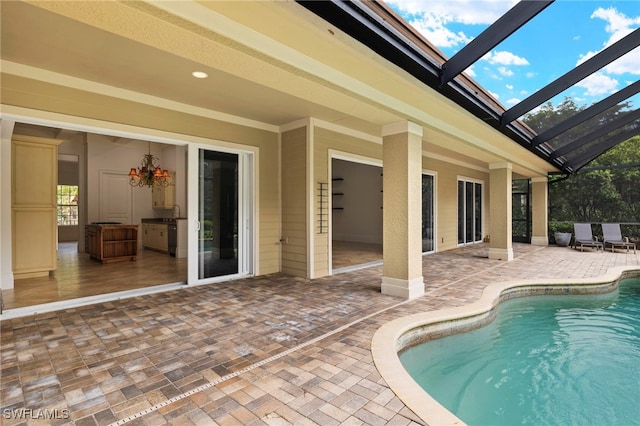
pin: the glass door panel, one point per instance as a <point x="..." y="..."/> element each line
<point x="427" y="214"/>
<point x="461" y="210"/>
<point x="218" y="214"/>
<point x="469" y="212"/>
<point x="219" y="220"/>
<point x="477" y="212"/>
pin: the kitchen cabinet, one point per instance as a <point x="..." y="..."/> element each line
<point x="155" y="237"/>
<point x="34" y="181"/>
<point x="164" y="197"/>
<point x="181" y="238"/>
<point x="111" y="243"/>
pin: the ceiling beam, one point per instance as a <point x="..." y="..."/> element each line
<point x="586" y="114"/>
<point x="585" y="69"/>
<point x="598" y="132"/>
<point x="506" y="25"/>
<point x="584" y="159"/>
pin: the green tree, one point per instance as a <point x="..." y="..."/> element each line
<point x="605" y="190"/>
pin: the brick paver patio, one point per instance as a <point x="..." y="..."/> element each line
<point x="272" y="350"/>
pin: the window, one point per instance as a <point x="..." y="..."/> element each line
<point x="67" y="205"/>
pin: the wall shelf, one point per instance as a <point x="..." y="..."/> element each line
<point x="323" y="204"/>
<point x="338" y="193"/>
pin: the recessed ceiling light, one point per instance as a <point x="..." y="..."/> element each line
<point x="199" y="74"/>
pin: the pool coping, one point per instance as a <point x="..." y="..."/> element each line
<point x="395" y="336"/>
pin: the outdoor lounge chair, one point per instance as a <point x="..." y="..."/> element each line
<point x="584" y="237"/>
<point x="613" y="237"/>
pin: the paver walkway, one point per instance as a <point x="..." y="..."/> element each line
<point x="271" y="350"/>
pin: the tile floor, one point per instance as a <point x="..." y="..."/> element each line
<point x="271" y="350"/>
<point x="78" y="276"/>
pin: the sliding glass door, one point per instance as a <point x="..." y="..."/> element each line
<point x="219" y="236"/>
<point x="469" y="212"/>
<point x="428" y="217"/>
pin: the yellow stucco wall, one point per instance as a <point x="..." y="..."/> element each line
<point x="326" y="141"/>
<point x="447" y="175"/>
<point x="294" y="202"/>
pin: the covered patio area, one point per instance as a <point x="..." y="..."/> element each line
<point x="273" y="349"/>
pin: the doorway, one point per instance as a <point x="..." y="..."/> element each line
<point x="356" y="214"/>
<point x="91" y="165"/>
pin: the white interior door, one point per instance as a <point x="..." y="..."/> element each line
<point x="115" y="197"/>
<point x="220" y="208"/>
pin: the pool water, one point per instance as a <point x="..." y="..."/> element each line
<point x="549" y="360"/>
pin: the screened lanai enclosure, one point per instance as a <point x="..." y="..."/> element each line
<point x="569" y="144"/>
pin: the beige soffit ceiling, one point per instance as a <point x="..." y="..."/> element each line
<point x="281" y="65"/>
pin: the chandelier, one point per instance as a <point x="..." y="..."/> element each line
<point x="149" y="172"/>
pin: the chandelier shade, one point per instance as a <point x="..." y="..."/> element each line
<point x="149" y="172"/>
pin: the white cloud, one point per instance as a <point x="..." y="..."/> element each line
<point x="629" y="63"/>
<point x="470" y="72"/>
<point x="618" y="26"/>
<point x="504" y="58"/>
<point x="504" y="71"/>
<point x="513" y="101"/>
<point x="461" y="11"/>
<point x="509" y="86"/>
<point x="431" y="17"/>
<point x="598" y="84"/>
<point x="434" y="29"/>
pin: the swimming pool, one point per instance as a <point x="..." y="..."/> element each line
<point x="396" y="336"/>
<point x="558" y="360"/>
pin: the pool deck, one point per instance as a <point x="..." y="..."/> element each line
<point x="271" y="350"/>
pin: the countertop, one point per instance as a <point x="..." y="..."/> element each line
<point x="167" y="220"/>
<point x="109" y="224"/>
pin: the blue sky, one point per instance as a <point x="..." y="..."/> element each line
<point x="562" y="36"/>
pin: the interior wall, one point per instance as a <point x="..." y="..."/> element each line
<point x="360" y="219"/>
<point x="103" y="154"/>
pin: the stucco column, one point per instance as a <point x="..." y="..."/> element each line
<point x="500" y="247"/>
<point x="539" y="211"/>
<point x="402" y="214"/>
